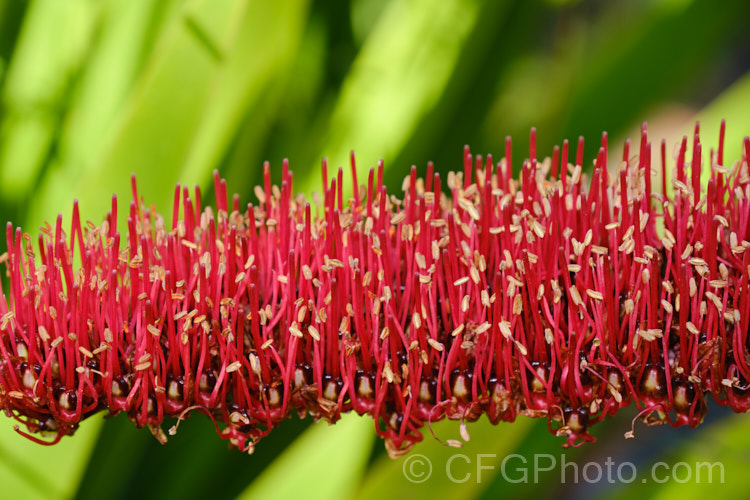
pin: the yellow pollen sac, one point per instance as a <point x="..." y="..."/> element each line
<point x="575" y="424"/>
<point x="65" y="401"/>
<point x="681" y="397"/>
<point x="424" y="392"/>
<point x="299" y="378"/>
<point x="29" y="379"/>
<point x="174" y="392"/>
<point x="365" y="389"/>
<point x="117" y="390"/>
<point x="460" y="388"/>
<point x="274" y="397"/>
<point x="331" y="391"/>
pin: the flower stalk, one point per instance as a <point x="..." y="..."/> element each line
<point x="550" y="296"/>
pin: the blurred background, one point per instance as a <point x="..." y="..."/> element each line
<point x="92" y="90"/>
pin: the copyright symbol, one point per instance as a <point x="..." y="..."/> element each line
<point x="417" y="468"/>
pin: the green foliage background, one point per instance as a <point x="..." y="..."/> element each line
<point x="92" y="90"/>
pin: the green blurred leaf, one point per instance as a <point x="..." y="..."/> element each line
<point x="433" y="470"/>
<point x="185" y="106"/>
<point x="727" y="444"/>
<point x="713" y="460"/>
<point x="398" y="76"/>
<point x="52" y="45"/>
<point x="249" y="72"/>
<point x="194" y="463"/>
<point x="125" y="34"/>
<point x="28" y="470"/>
<point x="732" y="106"/>
<point x="325" y="462"/>
<point x="276" y="122"/>
<point x="638" y="56"/>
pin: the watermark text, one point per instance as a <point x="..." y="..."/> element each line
<point x="517" y="468"/>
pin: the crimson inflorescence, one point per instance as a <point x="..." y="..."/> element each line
<point x="546" y="296"/>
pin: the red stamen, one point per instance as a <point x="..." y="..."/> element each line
<point x="531" y="296"/>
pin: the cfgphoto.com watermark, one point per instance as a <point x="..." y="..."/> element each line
<point x="515" y="468"/>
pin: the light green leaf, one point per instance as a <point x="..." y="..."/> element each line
<point x="714" y="459"/>
<point x="52" y="44"/>
<point x="30" y="471"/>
<point x="396" y="78"/>
<point x="432" y="470"/>
<point x="211" y="61"/>
<point x="732" y="106"/>
<point x="265" y="48"/>
<point x="325" y="462"/>
<point x="107" y="79"/>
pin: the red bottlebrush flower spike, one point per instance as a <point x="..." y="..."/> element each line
<point x="538" y="296"/>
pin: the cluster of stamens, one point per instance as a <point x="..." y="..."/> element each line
<point x="547" y="296"/>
